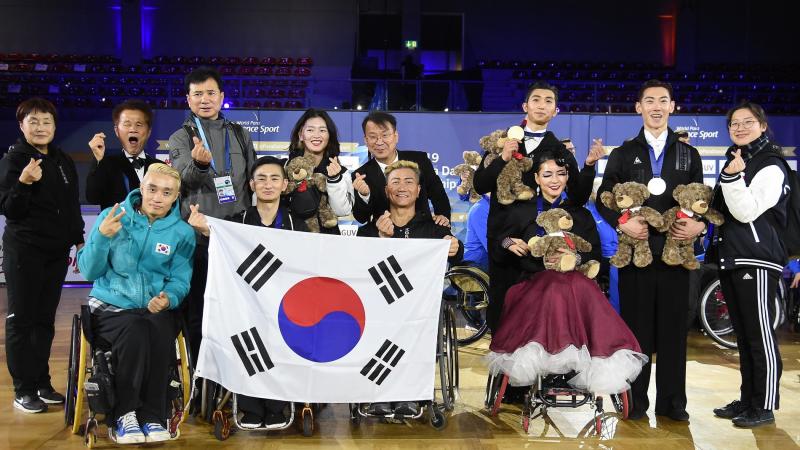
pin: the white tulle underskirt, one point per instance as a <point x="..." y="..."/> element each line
<point x="599" y="375"/>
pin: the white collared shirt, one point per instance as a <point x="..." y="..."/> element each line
<point x="532" y="143"/>
<point x="383" y="170"/>
<point x="657" y="143"/>
<point x="139" y="172"/>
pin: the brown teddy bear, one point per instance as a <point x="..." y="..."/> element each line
<point x="556" y="223"/>
<point x="693" y="200"/>
<point x="628" y="198"/>
<point x="509" y="183"/>
<point x="300" y="171"/>
<point x="471" y="161"/>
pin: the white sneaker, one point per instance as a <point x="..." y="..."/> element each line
<point x="127" y="430"/>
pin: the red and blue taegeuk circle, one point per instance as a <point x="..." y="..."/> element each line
<point x="321" y="319"/>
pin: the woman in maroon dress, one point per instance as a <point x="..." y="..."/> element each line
<point x="552" y="322"/>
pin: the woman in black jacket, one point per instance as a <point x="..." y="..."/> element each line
<point x="315" y="134"/>
<point x="553" y="322"/>
<point x="39" y="198"/>
<point x="752" y="195"/>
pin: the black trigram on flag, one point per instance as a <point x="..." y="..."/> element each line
<point x="389" y="277"/>
<point x="252" y="352"/>
<point x="254" y="265"/>
<point x="379" y="367"/>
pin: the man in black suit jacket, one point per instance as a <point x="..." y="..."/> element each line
<point x="112" y="177"/>
<point x="369" y="180"/>
<point x="540" y="108"/>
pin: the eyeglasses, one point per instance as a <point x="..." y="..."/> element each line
<point x="373" y="139"/>
<point x="746" y="125"/>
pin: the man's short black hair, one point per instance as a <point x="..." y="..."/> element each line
<point x="654" y="84"/>
<point x="34" y="105"/>
<point x="200" y="75"/>
<point x="379" y="118"/>
<point x="133" y="104"/>
<point x="269" y="160"/>
<point x="541" y="85"/>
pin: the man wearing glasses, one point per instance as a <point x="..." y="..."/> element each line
<point x="380" y="135"/>
<point x="214" y="157"/>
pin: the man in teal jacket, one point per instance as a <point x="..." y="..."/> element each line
<point x="139" y="255"/>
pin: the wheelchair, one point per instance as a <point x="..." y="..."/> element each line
<point x="553" y="391"/>
<point x="219" y="407"/>
<point x="467" y="289"/>
<point x="444" y="392"/>
<point x="88" y="382"/>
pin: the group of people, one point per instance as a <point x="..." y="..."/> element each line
<point x="147" y="253"/>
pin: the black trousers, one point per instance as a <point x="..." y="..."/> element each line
<point x="501" y="278"/>
<point x="259" y="406"/>
<point x="33" y="282"/>
<point x="654" y="304"/>
<point x="750" y="296"/>
<point x="142" y="355"/>
<point x="192" y="306"/>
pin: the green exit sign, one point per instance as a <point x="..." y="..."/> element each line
<point x="411" y="45"/>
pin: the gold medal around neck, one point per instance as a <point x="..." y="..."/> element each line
<point x="516" y="132"/>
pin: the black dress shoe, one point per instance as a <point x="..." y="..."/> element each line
<point x="754" y="417"/>
<point x="731" y="410"/>
<point x="678" y="415"/>
<point x="637" y="414"/>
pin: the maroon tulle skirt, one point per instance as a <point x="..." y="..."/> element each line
<point x="559" y="322"/>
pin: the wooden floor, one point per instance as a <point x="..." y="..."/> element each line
<point x="713" y="380"/>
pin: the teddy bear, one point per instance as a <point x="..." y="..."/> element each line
<point x="509" y="182"/>
<point x="556" y="223"/>
<point x="300" y="171"/>
<point x="693" y="200"/>
<point x="471" y="161"/>
<point x="628" y="198"/>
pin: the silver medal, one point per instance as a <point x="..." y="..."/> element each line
<point x="657" y="186"/>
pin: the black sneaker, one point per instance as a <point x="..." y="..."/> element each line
<point x="251" y="421"/>
<point x="380" y="409"/>
<point x="406" y="408"/>
<point x="754" y="417"/>
<point x="30" y="404"/>
<point x="731" y="410"/>
<point x="274" y="419"/>
<point x="51" y="397"/>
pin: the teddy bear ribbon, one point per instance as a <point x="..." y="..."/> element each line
<point x="303" y="186"/>
<point x="682" y="215"/>
<point x="518" y="156"/>
<point x="624" y="217"/>
<point x="569" y="242"/>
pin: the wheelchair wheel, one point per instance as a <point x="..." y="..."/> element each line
<point x="222" y="426"/>
<point x="447" y="348"/>
<point x="437" y="419"/>
<point x="622" y="403"/>
<point x="468" y="288"/>
<point x="72" y="371"/>
<point x="495" y="390"/>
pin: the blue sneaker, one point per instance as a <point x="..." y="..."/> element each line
<point x="155" y="432"/>
<point x="127" y="430"/>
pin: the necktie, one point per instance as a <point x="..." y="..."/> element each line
<point x="531" y="134"/>
<point x="136" y="162"/>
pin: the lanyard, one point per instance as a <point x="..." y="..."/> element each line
<point x="205" y="143"/>
<point x="656" y="163"/>
<point x="540" y="209"/>
<point x="278" y="222"/>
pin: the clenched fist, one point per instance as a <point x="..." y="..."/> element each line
<point x="98" y="146"/>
